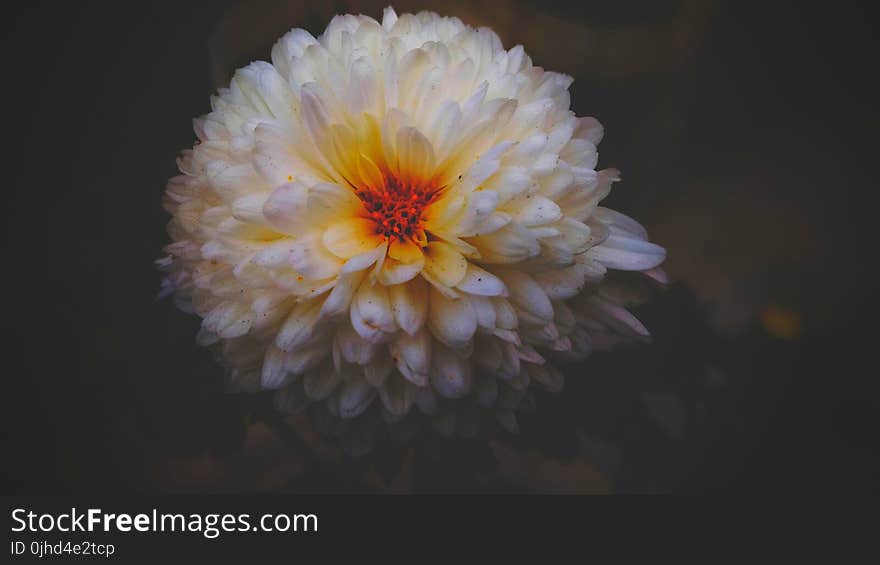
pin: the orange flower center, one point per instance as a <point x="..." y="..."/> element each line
<point x="398" y="206"/>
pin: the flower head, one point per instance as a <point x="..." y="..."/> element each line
<point x="402" y="211"/>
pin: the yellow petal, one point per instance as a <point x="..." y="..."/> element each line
<point x="415" y="156"/>
<point x="370" y="174"/>
<point x="396" y="273"/>
<point x="443" y="211"/>
<point x="351" y="237"/>
<point x="405" y="251"/>
<point x="444" y="263"/>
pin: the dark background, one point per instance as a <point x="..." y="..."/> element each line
<point x="747" y="135"/>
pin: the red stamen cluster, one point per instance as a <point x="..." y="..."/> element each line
<point x="397" y="210"/>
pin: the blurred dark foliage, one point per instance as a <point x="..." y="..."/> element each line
<point x="746" y="134"/>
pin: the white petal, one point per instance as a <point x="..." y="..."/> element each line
<point x="481" y="282"/>
<point x="575" y="236"/>
<point x="249" y="208"/>
<point x="505" y="314"/>
<point x="339" y="299"/>
<point x="590" y="129"/>
<point x="373" y="304"/>
<point x="330" y="201"/>
<point x="397" y="395"/>
<point x="451" y="375"/>
<point x="363" y="92"/>
<point x="485" y="311"/>
<point x="529" y="354"/>
<point x="557" y="184"/>
<point x="397" y="273"/>
<point x="378" y="369"/>
<point x="561" y="284"/>
<point x="511" y="244"/>
<point x="364" y="260"/>
<point x="510" y="183"/>
<point x="615" y="316"/>
<point x="273" y="373"/>
<point x="355" y="396"/>
<point x="275" y="254"/>
<point x="658" y="274"/>
<point x="537" y="210"/>
<point x="228" y="320"/>
<point x="510" y="363"/>
<point x="290" y="46"/>
<point x="620" y="221"/>
<point x="352" y="347"/>
<point x="480" y="206"/>
<point x="286" y="208"/>
<point x="409" y="303"/>
<point x="628" y="253"/>
<point x="413" y="355"/>
<point x="234" y="181"/>
<point x="309" y="257"/>
<point x="301" y="360"/>
<point x="299" y="326"/>
<point x="452" y="321"/>
<point x="389" y="18"/>
<point x="528" y="296"/>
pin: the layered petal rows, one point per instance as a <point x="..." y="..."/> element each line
<point x="400" y="212"/>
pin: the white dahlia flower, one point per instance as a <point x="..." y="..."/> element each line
<point x="401" y="213"/>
